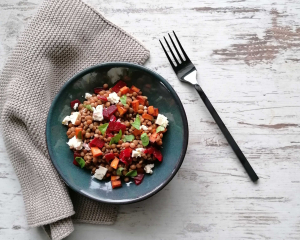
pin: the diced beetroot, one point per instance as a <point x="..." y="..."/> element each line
<point x="126" y="152"/>
<point x="105" y="114"/>
<point x="157" y="154"/>
<point x="73" y="103"/>
<point x="109" y="156"/>
<point x="75" y="163"/>
<point x="126" y="161"/>
<point x="96" y="142"/>
<point x="118" y="86"/>
<point x="98" y="89"/>
<point x="102" y="98"/>
<point x="111" y="127"/>
<point x="112" y="118"/>
<point x="138" y="179"/>
<point x="119" y="126"/>
<point x="112" y="109"/>
<point x="125" y="156"/>
<point x="149" y="150"/>
<point x="116" y="127"/>
<point x="109" y="134"/>
<point x="76" y="154"/>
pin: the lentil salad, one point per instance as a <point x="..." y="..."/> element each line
<point x="116" y="133"/>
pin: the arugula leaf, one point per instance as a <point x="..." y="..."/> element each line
<point x="80" y="161"/>
<point x="160" y="129"/>
<point x="89" y="107"/>
<point x="145" y="139"/>
<point x="128" y="138"/>
<point x="137" y="122"/>
<point x="131" y="173"/>
<point x="116" y="138"/>
<point x="123" y="99"/>
<point x="119" y="171"/>
<point x="103" y="128"/>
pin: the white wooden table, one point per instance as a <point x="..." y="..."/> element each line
<point x="247" y="54"/>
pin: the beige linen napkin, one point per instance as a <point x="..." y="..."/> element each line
<point x="65" y="37"/>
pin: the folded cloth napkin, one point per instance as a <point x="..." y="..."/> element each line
<point x="65" y="37"/>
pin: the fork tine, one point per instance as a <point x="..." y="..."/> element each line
<point x="181" y="59"/>
<point x="172" y="64"/>
<point x="171" y="52"/>
<point x="182" y="50"/>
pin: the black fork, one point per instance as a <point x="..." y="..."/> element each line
<point x="186" y="72"/>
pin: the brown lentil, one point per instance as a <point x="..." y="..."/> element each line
<point x="133" y="167"/>
<point x="138" y="165"/>
<point x="87" y="135"/>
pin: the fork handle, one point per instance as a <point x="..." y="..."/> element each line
<point x="227" y="134"/>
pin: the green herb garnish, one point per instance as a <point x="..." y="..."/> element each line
<point x="160" y="129"/>
<point x="103" y="128"/>
<point x="128" y="138"/>
<point x="79" y="135"/>
<point x="123" y="99"/>
<point x="80" y="161"/>
<point x="137" y="122"/>
<point x="145" y="139"/>
<point x="116" y="138"/>
<point x="119" y="171"/>
<point x="131" y="173"/>
<point x="88" y="107"/>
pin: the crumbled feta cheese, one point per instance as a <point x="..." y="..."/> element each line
<point x="148" y="168"/>
<point x="66" y="120"/>
<point x="145" y="108"/>
<point x="75" y="106"/>
<point x="137" y="152"/>
<point x="71" y="118"/>
<point x="113" y="98"/>
<point x="100" y="172"/>
<point x="75" y="143"/>
<point x="88" y="95"/>
<point x="143" y="127"/>
<point x="162" y="120"/>
<point x="115" y="74"/>
<point x="98" y="113"/>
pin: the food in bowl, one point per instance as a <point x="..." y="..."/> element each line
<point x="116" y="133"/>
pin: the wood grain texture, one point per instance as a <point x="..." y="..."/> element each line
<point x="247" y="56"/>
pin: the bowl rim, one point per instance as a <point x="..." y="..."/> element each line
<point x="176" y="98"/>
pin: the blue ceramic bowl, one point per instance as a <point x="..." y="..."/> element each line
<point x="160" y="94"/>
